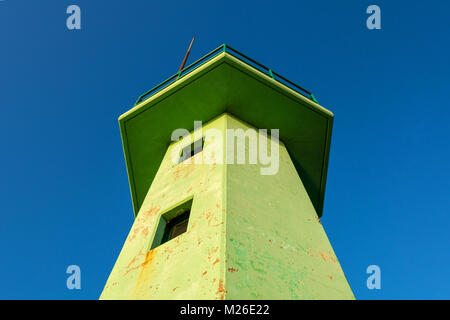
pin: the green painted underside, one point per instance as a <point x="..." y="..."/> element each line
<point x="226" y="84"/>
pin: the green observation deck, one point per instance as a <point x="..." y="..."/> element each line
<point x="227" y="81"/>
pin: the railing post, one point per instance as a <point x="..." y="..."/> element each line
<point x="138" y="100"/>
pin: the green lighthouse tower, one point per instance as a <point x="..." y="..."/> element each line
<point x="227" y="165"/>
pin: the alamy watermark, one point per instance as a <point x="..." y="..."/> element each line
<point x="74" y="280"/>
<point x="374" y="20"/>
<point x="374" y="280"/>
<point x="256" y="150"/>
<point x="73" y="21"/>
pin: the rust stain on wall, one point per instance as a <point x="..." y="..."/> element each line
<point x="216" y="261"/>
<point x="183" y="170"/>
<point x="327" y="257"/>
<point x="151" y="211"/>
<point x="221" y="290"/>
<point x="134" y="259"/>
<point x="145" y="273"/>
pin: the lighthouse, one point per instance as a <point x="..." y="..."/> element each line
<point x="227" y="164"/>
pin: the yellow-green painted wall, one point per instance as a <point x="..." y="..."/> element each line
<point x="276" y="246"/>
<point x="249" y="236"/>
<point x="190" y="266"/>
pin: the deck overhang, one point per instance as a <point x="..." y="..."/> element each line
<point x="222" y="84"/>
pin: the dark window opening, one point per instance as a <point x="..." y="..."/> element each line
<point x="172" y="224"/>
<point x="192" y="149"/>
<point x="176" y="226"/>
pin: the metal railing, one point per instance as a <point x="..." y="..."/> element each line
<point x="236" y="54"/>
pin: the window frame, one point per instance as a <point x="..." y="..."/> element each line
<point x="169" y="219"/>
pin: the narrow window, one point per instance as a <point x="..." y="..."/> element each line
<point x="172" y="223"/>
<point x="192" y="149"/>
<point x="176" y="226"/>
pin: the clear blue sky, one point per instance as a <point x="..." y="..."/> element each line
<point x="64" y="195"/>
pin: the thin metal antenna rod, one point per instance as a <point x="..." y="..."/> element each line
<point x="186" y="55"/>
